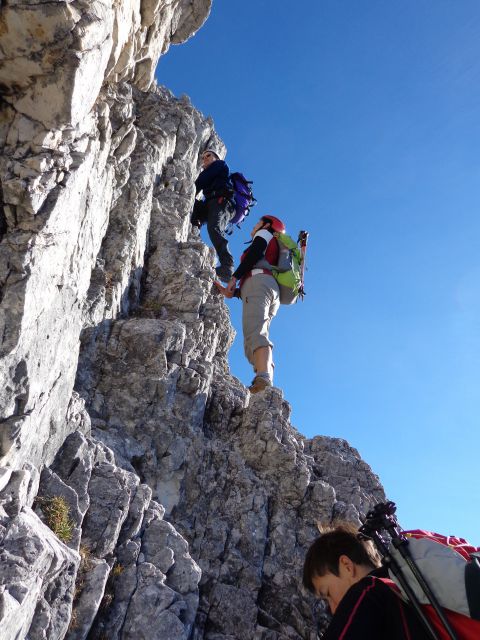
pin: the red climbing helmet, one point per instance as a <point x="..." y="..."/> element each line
<point x="275" y="224"/>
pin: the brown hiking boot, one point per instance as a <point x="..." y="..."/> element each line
<point x="259" y="384"/>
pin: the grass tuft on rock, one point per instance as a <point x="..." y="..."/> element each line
<point x="57" y="516"/>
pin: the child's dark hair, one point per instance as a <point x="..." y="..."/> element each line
<point x="323" y="555"/>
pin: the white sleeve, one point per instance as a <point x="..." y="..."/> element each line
<point x="265" y="234"/>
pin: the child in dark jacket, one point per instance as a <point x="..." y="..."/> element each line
<point x="340" y="569"/>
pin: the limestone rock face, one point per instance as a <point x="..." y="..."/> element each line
<point x="56" y="56"/>
<point x="65" y="191"/>
<point x="187" y="504"/>
<point x="99" y="580"/>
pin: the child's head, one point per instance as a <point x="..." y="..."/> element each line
<point x="334" y="562"/>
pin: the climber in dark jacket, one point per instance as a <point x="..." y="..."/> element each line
<point x="340" y="569"/>
<point x="216" y="209"/>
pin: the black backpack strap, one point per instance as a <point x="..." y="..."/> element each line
<point x="472" y="584"/>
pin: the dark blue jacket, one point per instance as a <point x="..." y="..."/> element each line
<point x="214" y="179"/>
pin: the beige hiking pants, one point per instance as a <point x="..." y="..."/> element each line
<point x="261" y="299"/>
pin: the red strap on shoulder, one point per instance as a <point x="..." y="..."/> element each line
<point x="460" y="545"/>
<point x="390" y="583"/>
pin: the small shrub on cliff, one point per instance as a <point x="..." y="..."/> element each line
<point x="152" y="305"/>
<point x="108" y="281"/>
<point x="73" y="621"/>
<point x="57" y="516"/>
<point x="85" y="558"/>
<point x="109" y="593"/>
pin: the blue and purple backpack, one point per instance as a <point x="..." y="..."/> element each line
<point x="243" y="198"/>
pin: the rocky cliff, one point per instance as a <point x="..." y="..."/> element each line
<point x="143" y="492"/>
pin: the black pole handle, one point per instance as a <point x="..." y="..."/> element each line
<point x="391" y="563"/>
<point x="402" y="547"/>
<point x="382" y="518"/>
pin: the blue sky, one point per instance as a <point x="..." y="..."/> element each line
<point x="359" y="121"/>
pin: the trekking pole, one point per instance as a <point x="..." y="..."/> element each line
<point x="382" y="517"/>
<point x="378" y="519"/>
<point x="302" y="241"/>
<point x="400" y="542"/>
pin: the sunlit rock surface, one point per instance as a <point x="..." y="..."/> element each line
<point x="190" y="504"/>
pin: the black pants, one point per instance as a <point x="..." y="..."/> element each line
<point x="217" y="213"/>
